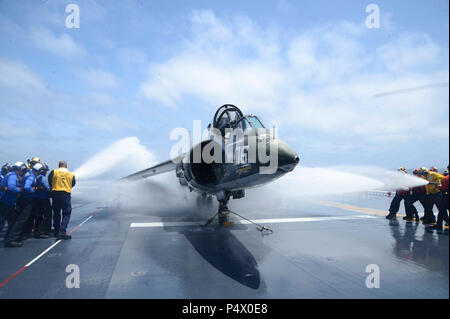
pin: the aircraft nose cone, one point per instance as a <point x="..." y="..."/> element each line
<point x="287" y="158"/>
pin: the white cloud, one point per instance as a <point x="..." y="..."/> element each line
<point x="322" y="79"/>
<point x="409" y="50"/>
<point x="97" y="78"/>
<point x="19" y="77"/>
<point x="62" y="45"/>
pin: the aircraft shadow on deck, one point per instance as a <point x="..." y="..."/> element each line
<point x="222" y="250"/>
<point x="227" y="254"/>
<point x="218" y="246"/>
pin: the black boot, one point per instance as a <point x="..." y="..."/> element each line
<point x="428" y="222"/>
<point x="13" y="244"/>
<point x="64" y="236"/>
<point x="391" y="216"/>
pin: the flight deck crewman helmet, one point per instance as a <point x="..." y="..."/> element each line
<point x="38" y="168"/>
<point x="32" y="161"/>
<point x="6" y="168"/>
<point x="433" y="169"/>
<point x="402" y="169"/>
<point x="20" y="168"/>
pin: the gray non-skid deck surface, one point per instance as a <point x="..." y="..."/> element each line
<point x="316" y="259"/>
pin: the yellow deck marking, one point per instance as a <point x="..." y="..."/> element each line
<point x="358" y="209"/>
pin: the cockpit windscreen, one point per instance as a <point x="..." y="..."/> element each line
<point x="255" y="122"/>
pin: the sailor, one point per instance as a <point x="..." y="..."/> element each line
<point x="5" y="170"/>
<point x="418" y="193"/>
<point x="40" y="202"/>
<point x="401" y="194"/>
<point x="30" y="224"/>
<point x="442" y="204"/>
<point x="433" y="194"/>
<point x="43" y="196"/>
<point x="61" y="182"/>
<point x="18" y="206"/>
<point x="445" y="196"/>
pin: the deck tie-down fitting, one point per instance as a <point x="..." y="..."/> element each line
<point x="259" y="227"/>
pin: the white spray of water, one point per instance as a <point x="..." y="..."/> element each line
<point x="295" y="188"/>
<point x="127" y="151"/>
<point x="305" y="181"/>
<point x="392" y="180"/>
<point x="120" y="159"/>
<point x="165" y="190"/>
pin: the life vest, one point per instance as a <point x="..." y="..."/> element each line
<point x="62" y="180"/>
<point x="433" y="178"/>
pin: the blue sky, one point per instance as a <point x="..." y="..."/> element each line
<point x="141" y="68"/>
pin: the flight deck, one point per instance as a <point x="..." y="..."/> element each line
<point x="324" y="248"/>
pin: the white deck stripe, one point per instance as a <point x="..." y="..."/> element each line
<point x="49" y="248"/>
<point x="85" y="220"/>
<point x="160" y="224"/>
<point x="242" y="221"/>
<point x="43" y="253"/>
<point x="303" y="219"/>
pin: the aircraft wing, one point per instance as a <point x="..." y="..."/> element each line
<point x="160" y="168"/>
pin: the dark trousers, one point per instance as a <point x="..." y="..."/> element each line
<point x="442" y="205"/>
<point x="414" y="197"/>
<point x="46" y="224"/>
<point x="444" y="198"/>
<point x="3" y="214"/>
<point x="431" y="200"/>
<point x="422" y="198"/>
<point x="18" y="220"/>
<point x="30" y="225"/>
<point x="11" y="217"/>
<point x="395" y="204"/>
<point x="61" y="202"/>
<point x="40" y="217"/>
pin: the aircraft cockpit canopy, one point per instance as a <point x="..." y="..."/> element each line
<point x="254" y="121"/>
<point x="249" y="121"/>
<point x="226" y="117"/>
<point x="230" y="116"/>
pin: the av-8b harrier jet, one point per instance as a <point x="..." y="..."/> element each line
<point x="240" y="153"/>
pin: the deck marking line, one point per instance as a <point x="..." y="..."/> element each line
<point x="17" y="272"/>
<point x="358" y="209"/>
<point x="267" y="221"/>
<point x="80" y="224"/>
<point x="45" y="251"/>
<point x="42" y="254"/>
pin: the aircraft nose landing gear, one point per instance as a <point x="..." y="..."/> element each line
<point x="224" y="213"/>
